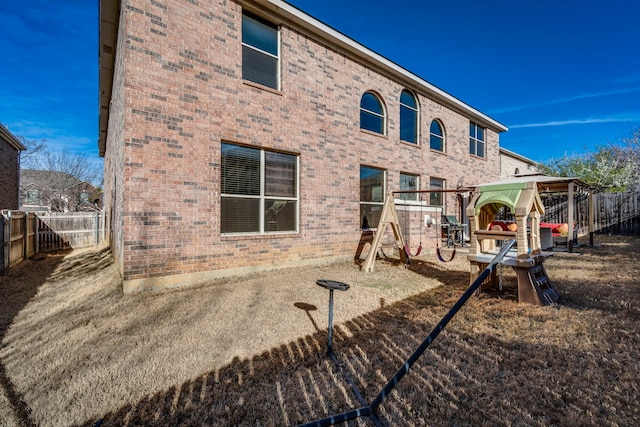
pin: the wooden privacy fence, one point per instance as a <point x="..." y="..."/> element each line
<point x="25" y="234"/>
<point x="614" y="213"/>
<point x="17" y="238"/>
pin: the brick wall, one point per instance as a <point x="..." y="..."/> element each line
<point x="114" y="160"/>
<point x="509" y="165"/>
<point x="9" y="176"/>
<point x="181" y="94"/>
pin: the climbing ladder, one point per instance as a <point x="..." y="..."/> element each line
<point x="534" y="286"/>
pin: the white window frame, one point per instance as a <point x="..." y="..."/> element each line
<point x="277" y="57"/>
<point x="262" y="197"/>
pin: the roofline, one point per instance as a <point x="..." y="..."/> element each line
<point x="518" y="156"/>
<point x="108" y="17"/>
<point x="6" y="135"/>
<point x="335" y="37"/>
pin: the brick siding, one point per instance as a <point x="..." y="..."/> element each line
<point x="9" y="176"/>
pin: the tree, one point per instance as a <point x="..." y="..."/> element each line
<point x="29" y="157"/>
<point x="62" y="181"/>
<point x="77" y="166"/>
<point x="612" y="167"/>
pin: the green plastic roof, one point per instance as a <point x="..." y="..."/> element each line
<point x="508" y="197"/>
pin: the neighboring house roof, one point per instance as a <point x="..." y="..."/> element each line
<point x="8" y="137"/>
<point x="109" y="13"/>
<point x="47" y="179"/>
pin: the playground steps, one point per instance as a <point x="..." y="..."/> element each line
<point x="534" y="286"/>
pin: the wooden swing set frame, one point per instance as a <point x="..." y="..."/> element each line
<point x="389" y="218"/>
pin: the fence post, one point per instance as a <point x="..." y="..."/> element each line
<point x="25" y="236"/>
<point x="97" y="227"/>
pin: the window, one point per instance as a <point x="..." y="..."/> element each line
<point x="33" y="197"/>
<point x="371" y="195"/>
<point x="259" y="190"/>
<point x="476" y="140"/>
<point x="259" y="51"/>
<point x="436" y="136"/>
<point x="408" y="117"/>
<point x="371" y="113"/>
<point x="435" y="199"/>
<point x="409" y="183"/>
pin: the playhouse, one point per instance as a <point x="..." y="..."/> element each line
<point x="525" y="206"/>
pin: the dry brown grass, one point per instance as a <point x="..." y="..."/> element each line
<point x="251" y="350"/>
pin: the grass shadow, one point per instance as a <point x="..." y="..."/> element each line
<point x="498" y="363"/>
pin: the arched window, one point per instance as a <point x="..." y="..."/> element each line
<point x="372" y="116"/>
<point x="436" y="136"/>
<point x="408" y="117"/>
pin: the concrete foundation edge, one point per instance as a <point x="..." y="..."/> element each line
<point x="180" y="280"/>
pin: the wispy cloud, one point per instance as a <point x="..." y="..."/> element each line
<point x="563" y="100"/>
<point x="631" y="117"/>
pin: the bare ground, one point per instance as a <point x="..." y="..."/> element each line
<point x="252" y="350"/>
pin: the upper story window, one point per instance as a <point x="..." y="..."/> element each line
<point x="408" y="117"/>
<point x="259" y="190"/>
<point x="436" y="136"/>
<point x="476" y="140"/>
<point x="260" y="51"/>
<point x="372" y="115"/>
<point x="372" y="189"/>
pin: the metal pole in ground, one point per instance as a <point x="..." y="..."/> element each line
<point x="331" y="285"/>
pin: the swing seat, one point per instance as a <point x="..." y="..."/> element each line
<point x="407" y="250"/>
<point x="441" y="258"/>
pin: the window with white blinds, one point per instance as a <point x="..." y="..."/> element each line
<point x="259" y="190"/>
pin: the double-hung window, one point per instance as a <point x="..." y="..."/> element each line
<point x="371" y="195"/>
<point x="259" y="190"/>
<point x="476" y="140"/>
<point x="260" y="51"/>
<point x="409" y="182"/>
<point x="435" y="198"/>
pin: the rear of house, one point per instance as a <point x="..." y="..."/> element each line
<point x="243" y="135"/>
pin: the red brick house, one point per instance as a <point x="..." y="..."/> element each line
<point x="243" y="135"/>
<point x="10" y="148"/>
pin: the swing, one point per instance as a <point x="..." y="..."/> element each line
<point x="407" y="249"/>
<point x="441" y="258"/>
<point x="439" y="253"/>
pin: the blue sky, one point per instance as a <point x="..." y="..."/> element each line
<point x="564" y="76"/>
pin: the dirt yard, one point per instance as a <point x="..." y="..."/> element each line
<point x="251" y="351"/>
